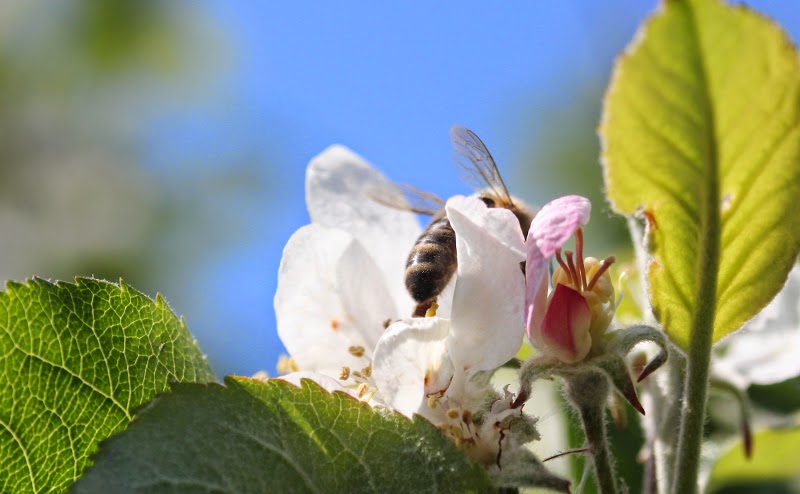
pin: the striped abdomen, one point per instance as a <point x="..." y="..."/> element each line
<point x="431" y="263"/>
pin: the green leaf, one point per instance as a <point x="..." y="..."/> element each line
<point x="775" y="454"/>
<point x="256" y="436"/>
<point x="701" y="134"/>
<point x="76" y="360"/>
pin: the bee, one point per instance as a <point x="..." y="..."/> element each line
<point x="432" y="261"/>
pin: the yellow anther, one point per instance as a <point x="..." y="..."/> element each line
<point x="362" y="390"/>
<point x="356" y="351"/>
<point x="367" y="371"/>
<point x="344" y="374"/>
<point x="261" y="375"/>
<point x="431" y="312"/>
<point x="453" y="413"/>
<point x="286" y="365"/>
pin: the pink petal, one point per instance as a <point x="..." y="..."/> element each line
<point x="551" y="227"/>
<point x="565" y="328"/>
<point x="535" y="314"/>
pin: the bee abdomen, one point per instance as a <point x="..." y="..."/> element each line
<point x="432" y="261"/>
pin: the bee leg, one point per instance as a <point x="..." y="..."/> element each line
<point x="423" y="307"/>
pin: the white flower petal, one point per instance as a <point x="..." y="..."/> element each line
<point x="764" y="351"/>
<point x="330" y="296"/>
<point x="411" y="362"/>
<point x="365" y="298"/>
<point x="327" y="383"/>
<point x="445" y="300"/>
<point x="340" y="187"/>
<point x="498" y="223"/>
<point x="488" y="304"/>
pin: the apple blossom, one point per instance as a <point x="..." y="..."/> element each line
<point x="438" y="367"/>
<point x="340" y="282"/>
<point x="569" y="327"/>
<point x="581" y="306"/>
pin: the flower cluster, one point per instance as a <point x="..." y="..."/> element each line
<point x="345" y="317"/>
<point x="343" y="312"/>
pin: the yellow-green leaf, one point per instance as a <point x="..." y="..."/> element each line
<point x="701" y="136"/>
<point x="775" y="454"/>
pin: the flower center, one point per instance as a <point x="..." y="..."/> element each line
<point x="590" y="277"/>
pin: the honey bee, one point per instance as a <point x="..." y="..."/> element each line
<point x="433" y="261"/>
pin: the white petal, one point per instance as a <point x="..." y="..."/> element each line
<point x="488" y="322"/>
<point x="327" y="383"/>
<point x="765" y="350"/>
<point x="339" y="190"/>
<point x="411" y="362"/>
<point x="498" y="223"/>
<point x="445" y="300"/>
<point x="330" y="297"/>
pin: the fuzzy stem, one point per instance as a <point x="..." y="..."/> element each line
<point x="690" y="437"/>
<point x="589" y="392"/>
<point x="595" y="428"/>
<point x="666" y="417"/>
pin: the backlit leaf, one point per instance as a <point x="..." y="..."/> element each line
<point x="701" y="135"/>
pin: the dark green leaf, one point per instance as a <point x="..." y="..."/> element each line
<point x="76" y="360"/>
<point x="256" y="436"/>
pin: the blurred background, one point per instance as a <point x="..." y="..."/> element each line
<point x="165" y="142"/>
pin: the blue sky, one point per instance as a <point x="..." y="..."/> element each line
<point x="388" y="81"/>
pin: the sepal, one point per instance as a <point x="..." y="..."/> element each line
<point x="743" y="401"/>
<point x="520" y="469"/>
<point x="617" y="371"/>
<point x="622" y="341"/>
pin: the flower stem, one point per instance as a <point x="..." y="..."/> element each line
<point x="690" y="437"/>
<point x="589" y="392"/>
<point x="666" y="416"/>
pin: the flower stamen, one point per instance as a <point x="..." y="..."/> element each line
<point x="607" y="262"/>
<point x="356" y="350"/>
<point x="561" y="261"/>
<point x="579" y="258"/>
<point x="431" y="312"/>
<point x="286" y="365"/>
<point x="573" y="272"/>
<point x="344" y="374"/>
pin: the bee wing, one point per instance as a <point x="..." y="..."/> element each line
<point x="407" y="198"/>
<point x="473" y="156"/>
